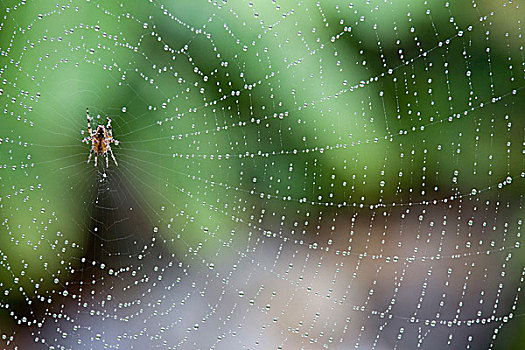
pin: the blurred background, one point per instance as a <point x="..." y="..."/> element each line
<point x="291" y="175"/>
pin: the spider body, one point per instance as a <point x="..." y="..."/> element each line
<point x="100" y="140"/>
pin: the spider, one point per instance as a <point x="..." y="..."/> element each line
<point x="100" y="140"/>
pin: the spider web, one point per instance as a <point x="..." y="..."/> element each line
<point x="291" y="174"/>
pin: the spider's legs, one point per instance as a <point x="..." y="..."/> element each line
<point x="89" y="158"/>
<point x="110" y="131"/>
<point x="96" y="158"/>
<point x="107" y="160"/>
<point x="89" y="122"/>
<point x="112" y="156"/>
